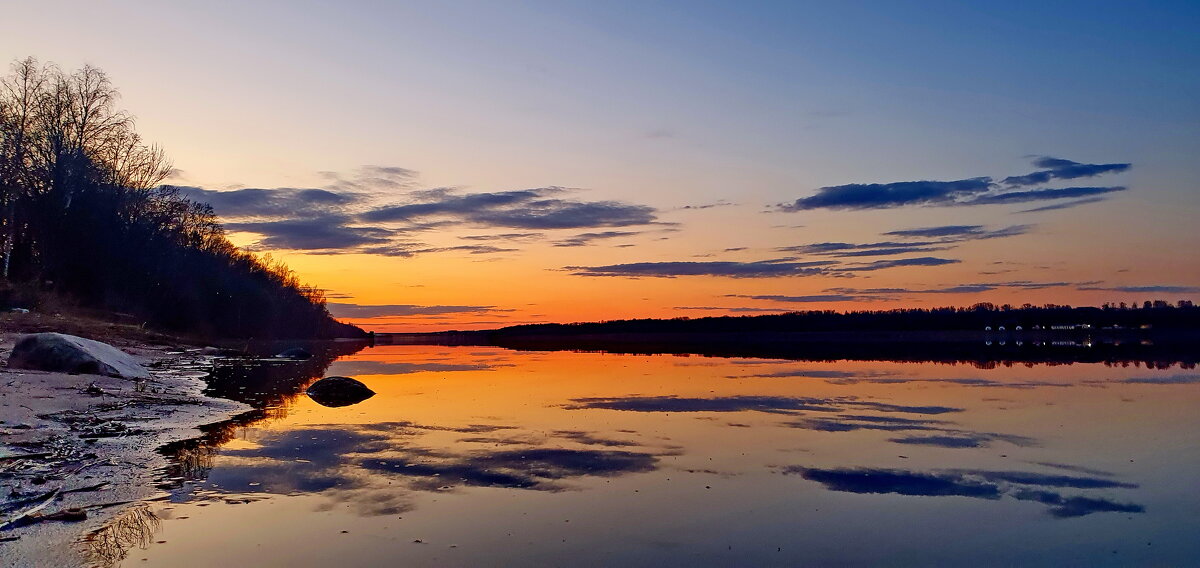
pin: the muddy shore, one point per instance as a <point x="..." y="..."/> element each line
<point x="90" y="442"/>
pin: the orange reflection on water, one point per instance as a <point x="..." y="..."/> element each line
<point x="491" y="456"/>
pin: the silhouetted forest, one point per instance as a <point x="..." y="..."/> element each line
<point x="83" y="216"/>
<point x="1157" y="315"/>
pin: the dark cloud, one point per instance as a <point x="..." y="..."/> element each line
<point x="317" y="233"/>
<point x="277" y="202"/>
<point x="1057" y="168"/>
<point x="971" y="191"/>
<point x="345" y="310"/>
<point x="537" y="208"/>
<point x="887" y="195"/>
<point x="759" y="269"/>
<point x="989" y="485"/>
<point x="349" y="215"/>
<point x="1146" y="289"/>
<point x="585" y="239"/>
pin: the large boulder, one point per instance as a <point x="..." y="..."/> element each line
<point x="338" y="391"/>
<point x="59" y="352"/>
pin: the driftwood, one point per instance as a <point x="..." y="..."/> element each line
<point x="25" y="456"/>
<point x="32" y="510"/>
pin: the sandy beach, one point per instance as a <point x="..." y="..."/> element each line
<point x="90" y="442"/>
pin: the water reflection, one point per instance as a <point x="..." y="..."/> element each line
<point x="133" y="527"/>
<point x="334" y="456"/>
<point x="478" y="444"/>
<point x="741" y="403"/>
<point x="1021" y="485"/>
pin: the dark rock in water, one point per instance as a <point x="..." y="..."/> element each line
<point x="62" y="353"/>
<point x="339" y="391"/>
<point x="295" y="353"/>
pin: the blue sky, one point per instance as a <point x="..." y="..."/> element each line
<point x="667" y="105"/>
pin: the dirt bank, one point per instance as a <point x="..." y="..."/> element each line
<point x="89" y="442"/>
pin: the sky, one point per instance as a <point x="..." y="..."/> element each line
<point x="469" y="165"/>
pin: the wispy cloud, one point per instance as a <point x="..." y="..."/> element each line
<point x="1044" y="194"/>
<point x="347" y="310"/>
<point x="960" y="233"/>
<point x="843" y="294"/>
<point x="882" y="264"/>
<point x="864" y="249"/>
<point x="1145" y="289"/>
<point x="1066" y="205"/>
<point x="811" y="298"/>
<point x="504" y="237"/>
<point x="759" y="269"/>
<point x="585" y="239"/>
<point x="733" y="309"/>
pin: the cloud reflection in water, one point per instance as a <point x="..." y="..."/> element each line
<point x="977" y="484"/>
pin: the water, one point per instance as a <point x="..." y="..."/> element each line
<point x="484" y="456"/>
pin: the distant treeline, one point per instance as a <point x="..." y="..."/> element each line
<point x="1156" y="314"/>
<point x="83" y="216"/>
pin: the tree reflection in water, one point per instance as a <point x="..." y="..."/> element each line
<point x="110" y="544"/>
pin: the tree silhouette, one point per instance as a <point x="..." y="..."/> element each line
<point x="83" y="215"/>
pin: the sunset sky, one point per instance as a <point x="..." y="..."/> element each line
<point x="464" y="165"/>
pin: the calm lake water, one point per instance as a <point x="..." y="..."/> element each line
<point x="478" y="456"/>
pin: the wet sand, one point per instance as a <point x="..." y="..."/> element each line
<point x="94" y="439"/>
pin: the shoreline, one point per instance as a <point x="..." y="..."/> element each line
<point x="96" y="439"/>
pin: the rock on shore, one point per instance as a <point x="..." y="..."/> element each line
<point x="62" y="353"/>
